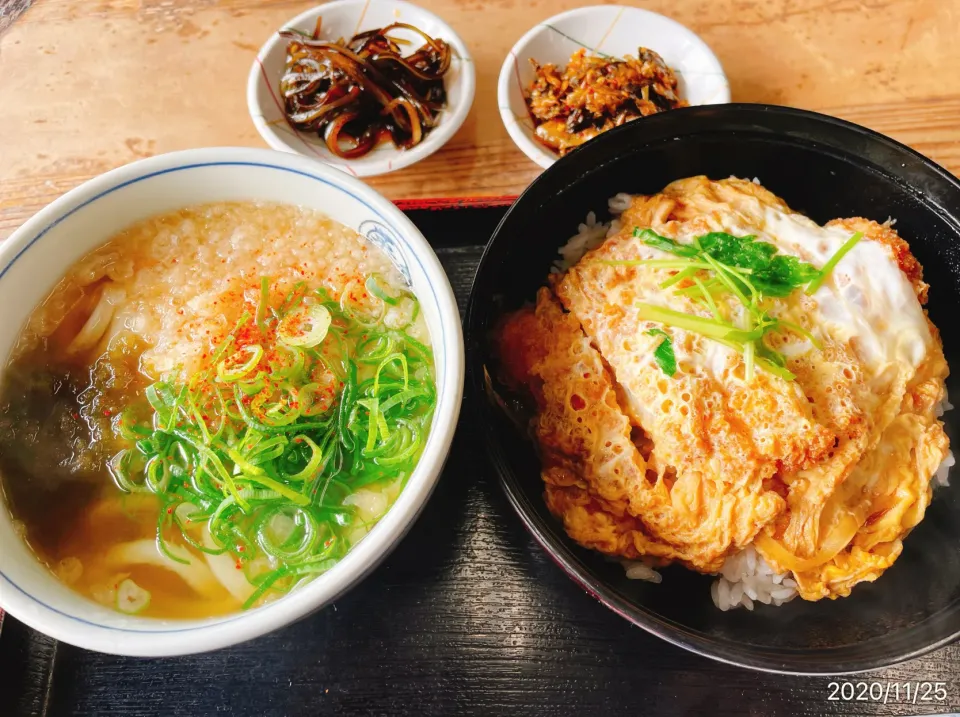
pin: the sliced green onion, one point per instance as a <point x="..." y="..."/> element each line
<point x="414" y="441"/>
<point x="313" y="465"/>
<point x="309" y="528"/>
<point x="157" y="474"/>
<point x="243" y="464"/>
<point x="240" y="364"/>
<point x="198" y="417"/>
<point x="316" y="399"/>
<point x="346" y="406"/>
<point x="255" y="470"/>
<point x="373" y="407"/>
<point x="264" y="303"/>
<point x="253" y="386"/>
<point x="279" y="413"/>
<point x="248" y="417"/>
<point x="162" y="521"/>
<point x="373" y="286"/>
<point x="279" y="487"/>
<point x="398" y="357"/>
<point x="307" y="326"/>
<point x="126" y="427"/>
<point x="294" y="367"/>
<point x="131" y="598"/>
<point x="227" y="343"/>
<point x="374" y="349"/>
<point x="214" y="460"/>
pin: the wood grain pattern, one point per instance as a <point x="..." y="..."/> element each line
<point x="467" y="616"/>
<point x="88" y="86"/>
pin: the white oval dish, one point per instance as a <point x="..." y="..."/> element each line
<point x="345" y="18"/>
<point x="38" y="254"/>
<point x="612" y="30"/>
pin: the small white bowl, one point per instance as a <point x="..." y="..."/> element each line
<point x="611" y="30"/>
<point x="39" y="254"/>
<point x="345" y="18"/>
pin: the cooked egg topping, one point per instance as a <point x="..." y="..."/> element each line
<point x="685" y="417"/>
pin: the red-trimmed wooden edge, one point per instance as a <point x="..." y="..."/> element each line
<point x="454" y="203"/>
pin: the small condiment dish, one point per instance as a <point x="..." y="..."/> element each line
<point x="612" y="30"/>
<point x="343" y="19"/>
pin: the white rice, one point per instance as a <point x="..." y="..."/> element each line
<point x="746" y="578"/>
<point x="941" y="477"/>
<point x="638" y="570"/>
<point x="591" y="233"/>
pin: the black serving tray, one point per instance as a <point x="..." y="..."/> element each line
<point x="466" y="616"/>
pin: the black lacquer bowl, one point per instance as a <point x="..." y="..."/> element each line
<point x="824" y="168"/>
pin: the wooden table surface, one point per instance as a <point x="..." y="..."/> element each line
<point x="87" y="85"/>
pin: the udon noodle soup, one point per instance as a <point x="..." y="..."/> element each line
<point x="213" y="408"/>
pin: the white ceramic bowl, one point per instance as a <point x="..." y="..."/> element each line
<point x="40" y="252"/>
<point x="345" y="18"/>
<point x="611" y="30"/>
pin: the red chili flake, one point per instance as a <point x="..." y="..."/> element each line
<point x="239" y="565"/>
<point x="107" y="412"/>
<point x="169" y="511"/>
<point x="76" y="415"/>
<point x="240" y="548"/>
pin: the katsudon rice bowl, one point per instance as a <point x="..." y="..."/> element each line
<point x="715" y="380"/>
<point x="232" y="384"/>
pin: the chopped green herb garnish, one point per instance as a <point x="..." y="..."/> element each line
<point x="749" y="262"/>
<point x="744" y="267"/>
<point x="663" y="354"/>
<point x="292" y="413"/>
